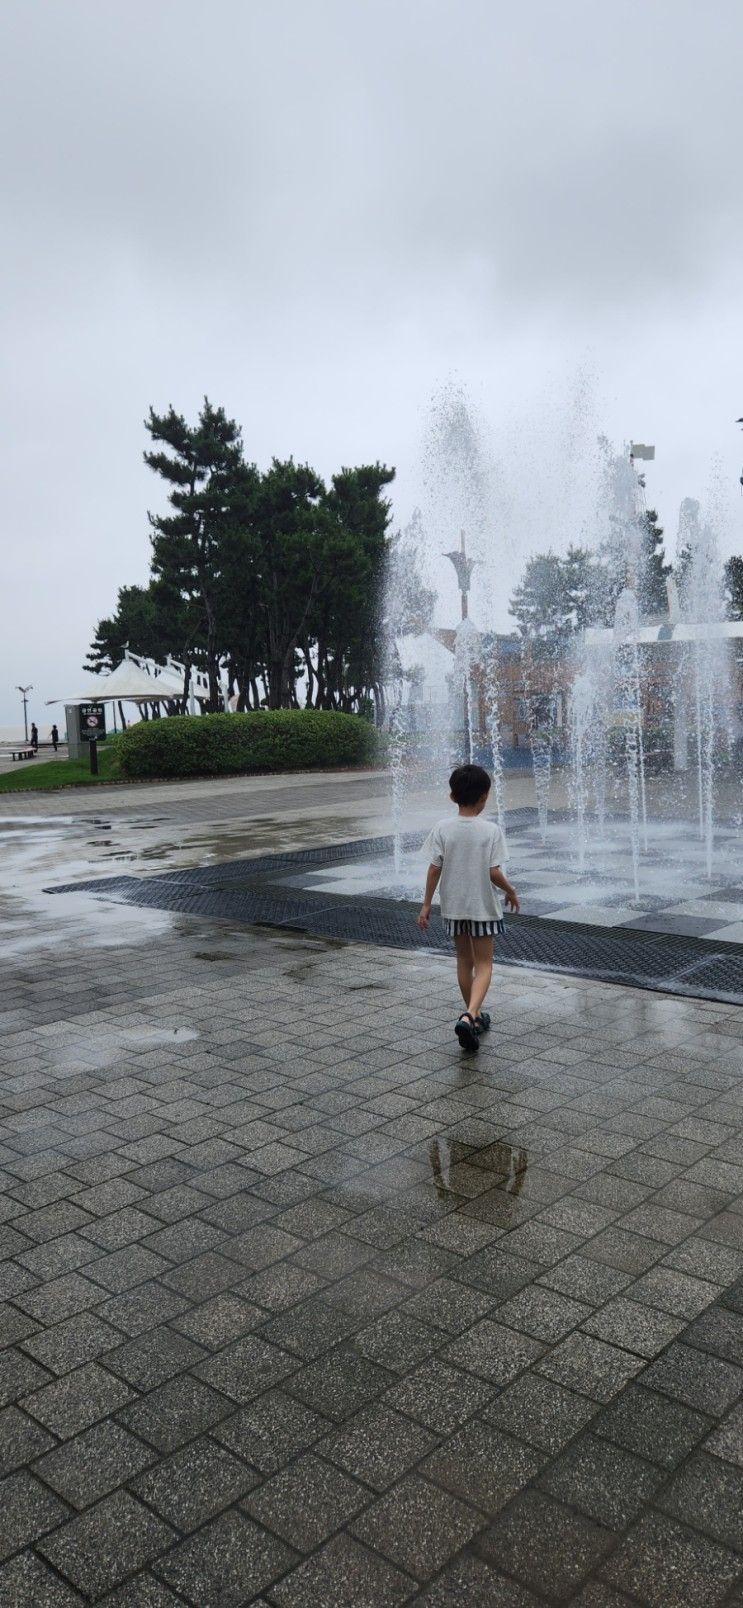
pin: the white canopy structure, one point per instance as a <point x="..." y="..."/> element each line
<point x="672" y="631"/>
<point x="139" y="680"/>
<point x="434" y="662"/>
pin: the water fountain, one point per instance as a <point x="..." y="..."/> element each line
<point x="649" y="703"/>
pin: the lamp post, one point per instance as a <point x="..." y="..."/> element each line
<point x="24" y="691"/>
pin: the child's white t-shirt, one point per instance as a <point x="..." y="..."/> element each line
<point x="465" y="846"/>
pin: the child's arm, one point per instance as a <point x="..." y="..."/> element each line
<point x="512" y="898"/>
<point x="433" y="878"/>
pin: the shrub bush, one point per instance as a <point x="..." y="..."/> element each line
<point x="262" y="740"/>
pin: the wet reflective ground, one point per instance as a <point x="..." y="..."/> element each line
<point x="299" y="1306"/>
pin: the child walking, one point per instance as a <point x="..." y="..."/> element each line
<point x="465" y="854"/>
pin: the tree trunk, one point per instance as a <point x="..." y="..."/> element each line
<point x="307" y="656"/>
<point x="275" y="682"/>
<point x="186" y="686"/>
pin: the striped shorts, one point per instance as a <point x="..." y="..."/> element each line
<point x="473" y="929"/>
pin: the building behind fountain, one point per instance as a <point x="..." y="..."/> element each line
<point x="613" y="706"/>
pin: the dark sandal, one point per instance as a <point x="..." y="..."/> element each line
<point x="466" y="1031"/>
<point x="482" y="1021"/>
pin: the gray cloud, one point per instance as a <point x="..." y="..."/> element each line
<point x="315" y="211"/>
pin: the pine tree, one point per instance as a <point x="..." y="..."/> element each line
<point x="733" y="582"/>
<point x="201" y="464"/>
<point x="653" y="569"/>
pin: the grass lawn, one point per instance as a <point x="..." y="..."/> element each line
<point x="33" y="775"/>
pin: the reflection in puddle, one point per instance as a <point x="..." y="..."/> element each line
<point x="508" y="1163"/>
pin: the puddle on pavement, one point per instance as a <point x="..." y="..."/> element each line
<point x="37" y="852"/>
<point x="105" y="1044"/>
<point x="453" y="1162"/>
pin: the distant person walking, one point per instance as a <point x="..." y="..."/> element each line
<point x="55" y="738"/>
<point x="34" y="736"/>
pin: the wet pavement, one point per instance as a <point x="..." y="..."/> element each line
<point x="300" y="1306"/>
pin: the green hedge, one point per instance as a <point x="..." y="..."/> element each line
<point x="263" y="740"/>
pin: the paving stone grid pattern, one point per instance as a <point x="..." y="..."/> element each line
<point x="302" y="1307"/>
<point x="326" y="891"/>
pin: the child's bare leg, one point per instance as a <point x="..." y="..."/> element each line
<point x="482" y="949"/>
<point x="465" y="966"/>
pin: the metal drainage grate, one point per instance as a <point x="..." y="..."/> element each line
<point x="248" y="891"/>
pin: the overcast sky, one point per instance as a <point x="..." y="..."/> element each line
<point x="318" y="212"/>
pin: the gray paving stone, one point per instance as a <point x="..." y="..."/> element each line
<point x="271" y="1431"/>
<point x="654" y="1426"/>
<point x="368" y="1294"/>
<point x="615" y="1100"/>
<point x="540" y="1412"/>
<point x="418" y="1527"/>
<point x="98" y="1549"/>
<point x="340" y="1574"/>
<point x="27" y="1512"/>
<point x="205" y="1276"/>
<point x="77" y="1399"/>
<point x="15" y="1326"/>
<point x="226" y="1563"/>
<point x="280" y="1287"/>
<point x="217" y="1322"/>
<point x="585" y="1280"/>
<point x="726" y="1440"/>
<point x="545" y="1546"/>
<point x="377" y="1446"/>
<point x="675" y="1292"/>
<point x="68" y="1345"/>
<point x="247" y="1367"/>
<point x="143" y="1308"/>
<point x="27" y="1582"/>
<point x="339" y="1383"/>
<point x="702" y="1381"/>
<point x="194" y="1484"/>
<point x="493" y="1351"/>
<point x="598" y="1595"/>
<point x="439" y="1396"/>
<point x="706" y="1493"/>
<point x="449" y="1305"/>
<point x="21" y="1440"/>
<point x="483" y="1466"/>
<point x="122" y="1269"/>
<point x="544" y="1314"/>
<point x="64" y="1217"/>
<point x="154" y="1357"/>
<point x="718" y="1332"/>
<point x="637" y="1328"/>
<point x="619" y="1248"/>
<point x="19" y="1374"/>
<point x="143" y="1591"/>
<point x="176" y="1412"/>
<point x="472" y="1581"/>
<point x="602" y="1481"/>
<point x="397" y="1342"/>
<point x="706" y="1260"/>
<point x="663" y="1565"/>
<point x="309" y="1329"/>
<point x="591" y="1366"/>
<point x="306" y="1503"/>
<point x="498" y="1274"/>
<point x="94" y="1463"/>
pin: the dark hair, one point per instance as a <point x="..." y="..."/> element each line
<point x="468" y="783"/>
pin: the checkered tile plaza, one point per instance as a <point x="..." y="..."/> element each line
<point x="302" y="1307"/>
<point x="676" y="895"/>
